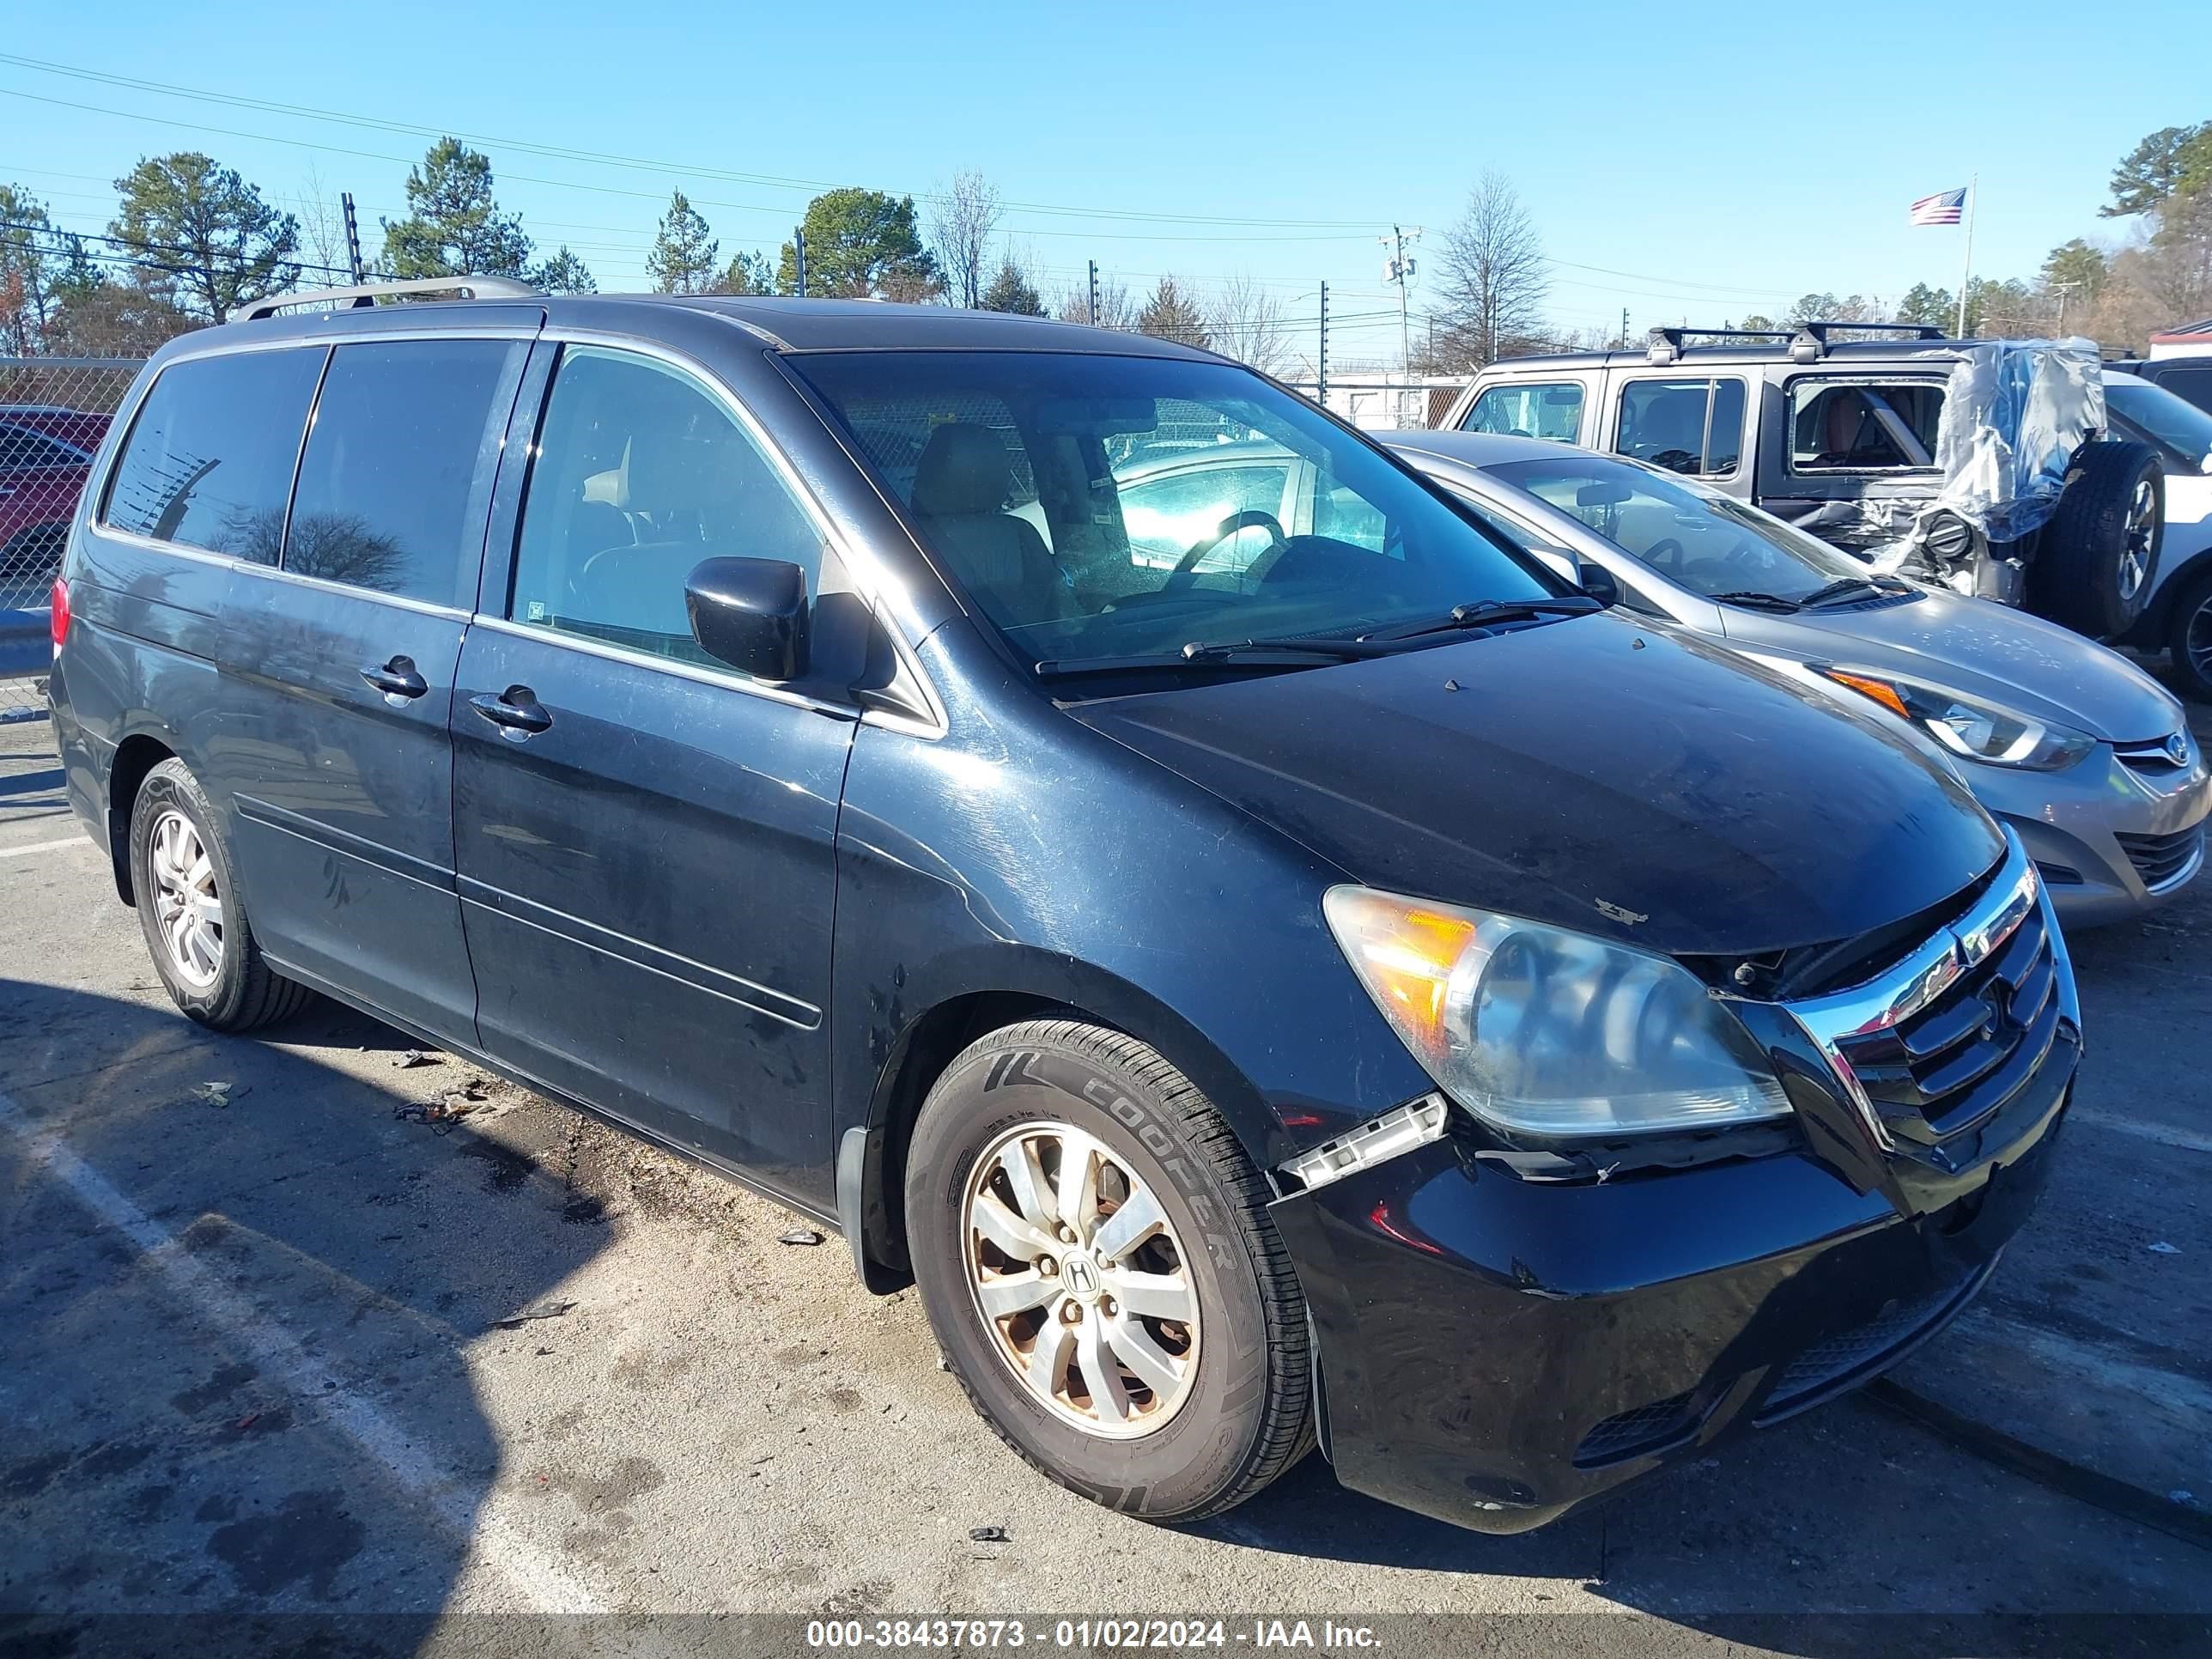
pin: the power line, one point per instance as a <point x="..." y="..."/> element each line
<point x="604" y="159"/>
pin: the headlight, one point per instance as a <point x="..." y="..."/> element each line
<point x="1548" y="1032"/>
<point x="1974" y="730"/>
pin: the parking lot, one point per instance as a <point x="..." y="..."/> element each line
<point x="279" y="1345"/>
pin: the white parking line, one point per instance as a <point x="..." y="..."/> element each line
<point x="44" y="847"/>
<point x="2187" y="1140"/>
<point x="541" y="1582"/>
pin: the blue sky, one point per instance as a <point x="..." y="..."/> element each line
<point x="1718" y="162"/>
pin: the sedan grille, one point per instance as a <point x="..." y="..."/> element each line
<point x="2159" y="758"/>
<point x="2165" y="861"/>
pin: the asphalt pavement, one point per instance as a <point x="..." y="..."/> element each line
<point x="282" y="1346"/>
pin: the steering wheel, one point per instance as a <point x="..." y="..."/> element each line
<point x="1667" y="555"/>
<point x="1252" y="517"/>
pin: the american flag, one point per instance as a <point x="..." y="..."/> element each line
<point x="1943" y="210"/>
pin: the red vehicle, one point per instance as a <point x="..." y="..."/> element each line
<point x="45" y="455"/>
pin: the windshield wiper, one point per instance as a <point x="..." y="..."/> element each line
<point x="1487" y="613"/>
<point x="1756" y="601"/>
<point x="1843" y="587"/>
<point x="1205" y="655"/>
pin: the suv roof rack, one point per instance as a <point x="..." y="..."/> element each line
<point x="1811" y="342"/>
<point x="367" y="294"/>
<point x="1665" y="345"/>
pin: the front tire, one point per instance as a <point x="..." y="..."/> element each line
<point x="190" y="910"/>
<point x="1095" y="1254"/>
<point x="2189" y="639"/>
<point x="2098" y="559"/>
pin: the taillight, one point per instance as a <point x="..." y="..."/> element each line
<point x="58" y="621"/>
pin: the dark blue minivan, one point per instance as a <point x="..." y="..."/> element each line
<point x="1272" y="963"/>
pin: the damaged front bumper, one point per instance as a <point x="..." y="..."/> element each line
<point x="1502" y="1340"/>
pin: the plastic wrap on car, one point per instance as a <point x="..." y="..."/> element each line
<point x="2014" y="411"/>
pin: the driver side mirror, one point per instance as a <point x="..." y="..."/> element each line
<point x="751" y="614"/>
<point x="1597" y="581"/>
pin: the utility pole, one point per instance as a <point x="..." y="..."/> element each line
<point x="1321" y="358"/>
<point x="799" y="257"/>
<point x="1093" y="291"/>
<point x="1624" y="328"/>
<point x="353" y="236"/>
<point x="1399" y="268"/>
<point x="2064" y="288"/>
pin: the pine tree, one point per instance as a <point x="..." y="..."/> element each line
<point x="681" y="259"/>
<point x="1010" y="290"/>
<point x="1170" y="315"/>
<point x="201" y="237"/>
<point x="454" y="226"/>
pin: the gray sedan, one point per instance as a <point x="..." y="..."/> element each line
<point x="2086" y="757"/>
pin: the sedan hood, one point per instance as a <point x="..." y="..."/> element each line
<point x="1599" y="773"/>
<point x="1986" y="650"/>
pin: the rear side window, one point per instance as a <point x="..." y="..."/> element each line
<point x="399" y="466"/>
<point x="2194" y="384"/>
<point x="209" y="461"/>
<point x="1839" y="426"/>
<point x="1553" y="411"/>
<point x="1693" y="427"/>
<point x="641" y="474"/>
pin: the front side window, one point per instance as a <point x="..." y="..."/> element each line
<point x="209" y="461"/>
<point x="2193" y="385"/>
<point x="399" y="466"/>
<point x="1693" y="427"/>
<point x="1366" y="546"/>
<point x="1695" y="537"/>
<point x="1839" y="425"/>
<point x="1553" y="411"/>
<point x="641" y="474"/>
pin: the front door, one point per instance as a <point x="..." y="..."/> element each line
<point x="646" y="837"/>
<point x="338" y="671"/>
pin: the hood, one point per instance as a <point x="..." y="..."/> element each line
<point x="1600" y="773"/>
<point x="1984" y="650"/>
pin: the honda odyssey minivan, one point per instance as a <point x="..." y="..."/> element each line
<point x="1340" y="983"/>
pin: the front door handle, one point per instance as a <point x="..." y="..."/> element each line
<point x="396" y="679"/>
<point x="516" y="710"/>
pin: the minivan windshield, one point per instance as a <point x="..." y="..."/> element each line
<point x="2174" y="421"/>
<point x="1698" y="538"/>
<point x="1105" y="510"/>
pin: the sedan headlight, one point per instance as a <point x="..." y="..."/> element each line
<point x="1547" y="1032"/>
<point x="1976" y="730"/>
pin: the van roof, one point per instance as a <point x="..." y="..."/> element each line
<point x="784" y="325"/>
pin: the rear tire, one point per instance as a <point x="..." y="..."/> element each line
<point x="189" y="909"/>
<point x="2189" y="640"/>
<point x="2098" y="557"/>
<point x="1228" y="1407"/>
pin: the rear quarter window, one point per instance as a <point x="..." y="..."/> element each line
<point x="209" y="461"/>
<point x="1550" y="409"/>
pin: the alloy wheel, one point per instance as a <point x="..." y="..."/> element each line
<point x="2142" y="528"/>
<point x="1081" y="1281"/>
<point x="2196" y="639"/>
<point x="185" y="902"/>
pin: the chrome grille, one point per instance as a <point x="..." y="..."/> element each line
<point x="2160" y="757"/>
<point x="2165" y="861"/>
<point x="1941" y="1042"/>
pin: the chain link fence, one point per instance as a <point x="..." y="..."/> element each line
<point x="53" y="413"/>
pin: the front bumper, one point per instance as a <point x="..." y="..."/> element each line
<point x="1496" y="1350"/>
<point x="2112" y="842"/>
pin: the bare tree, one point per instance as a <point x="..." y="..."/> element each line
<point x="1115" y="308"/>
<point x="1247" y="323"/>
<point x="1493" y="287"/>
<point x="322" y="230"/>
<point x="962" y="219"/>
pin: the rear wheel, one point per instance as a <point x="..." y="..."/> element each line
<point x="2189" y="638"/>
<point x="190" y="910"/>
<point x="1095" y="1252"/>
<point x="2097" y="556"/>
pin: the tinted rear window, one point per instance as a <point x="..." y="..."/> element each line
<point x="209" y="461"/>
<point x="398" y="465"/>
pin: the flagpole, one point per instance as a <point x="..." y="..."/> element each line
<point x="1966" y="274"/>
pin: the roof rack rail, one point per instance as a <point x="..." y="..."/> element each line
<point x="1810" y="343"/>
<point x="1665" y="345"/>
<point x="367" y="294"/>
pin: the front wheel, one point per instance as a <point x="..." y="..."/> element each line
<point x="2098" y="559"/>
<point x="1095" y="1254"/>
<point x="2189" y="637"/>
